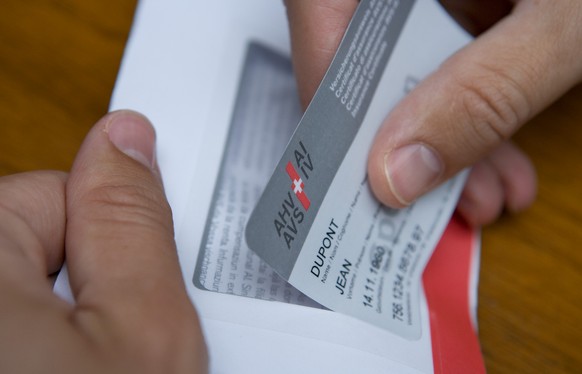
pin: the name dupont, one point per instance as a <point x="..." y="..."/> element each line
<point x="326" y="243"/>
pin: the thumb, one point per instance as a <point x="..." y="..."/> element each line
<point x="477" y="100"/>
<point x="120" y="247"/>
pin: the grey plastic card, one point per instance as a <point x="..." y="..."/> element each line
<point x="317" y="223"/>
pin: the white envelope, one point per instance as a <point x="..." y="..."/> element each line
<point x="182" y="69"/>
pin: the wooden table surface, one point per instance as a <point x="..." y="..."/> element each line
<point x="58" y="64"/>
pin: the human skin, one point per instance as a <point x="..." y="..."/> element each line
<point x="526" y="55"/>
<point x="111" y="220"/>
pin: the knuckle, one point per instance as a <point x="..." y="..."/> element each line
<point x="128" y="203"/>
<point x="493" y="105"/>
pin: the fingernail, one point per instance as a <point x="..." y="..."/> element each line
<point x="134" y="135"/>
<point x="412" y="170"/>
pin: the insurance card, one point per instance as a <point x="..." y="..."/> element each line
<point x="317" y="223"/>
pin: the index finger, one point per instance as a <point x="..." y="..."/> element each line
<point x="316" y="27"/>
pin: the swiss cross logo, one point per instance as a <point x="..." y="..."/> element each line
<point x="297" y="186"/>
<point x="289" y="215"/>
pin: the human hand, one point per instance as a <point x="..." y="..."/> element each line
<point x="527" y="55"/>
<point x="110" y="219"/>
